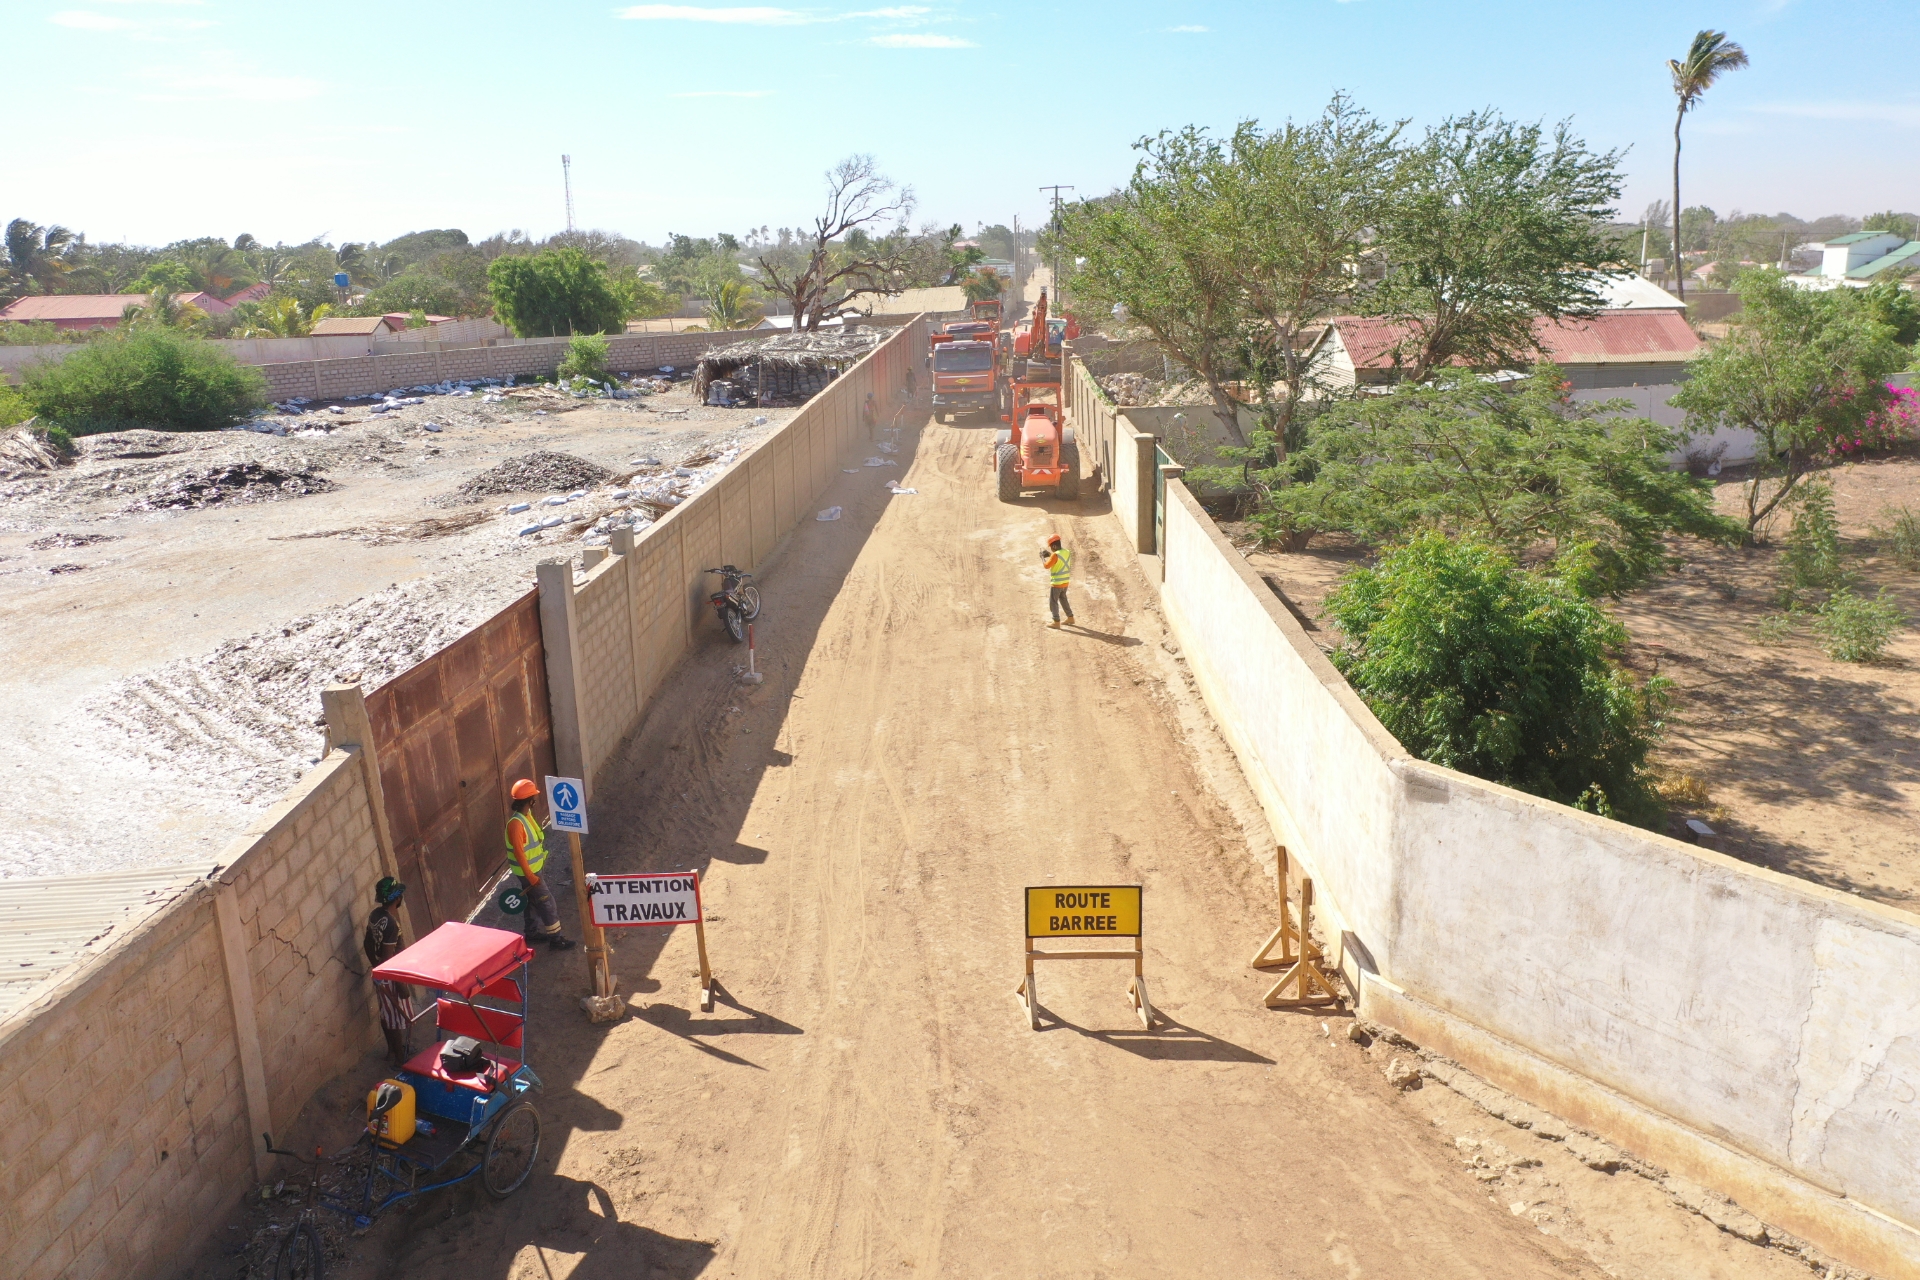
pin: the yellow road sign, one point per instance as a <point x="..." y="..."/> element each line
<point x="1084" y="911"/>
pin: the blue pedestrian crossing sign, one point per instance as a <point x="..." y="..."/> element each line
<point x="567" y="805"/>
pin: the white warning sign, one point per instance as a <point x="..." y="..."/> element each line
<point x="624" y="901"/>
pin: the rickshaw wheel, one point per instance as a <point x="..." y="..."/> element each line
<point x="301" y="1256"/>
<point x="511" y="1147"/>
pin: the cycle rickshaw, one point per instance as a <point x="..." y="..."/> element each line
<point x="457" y="1110"/>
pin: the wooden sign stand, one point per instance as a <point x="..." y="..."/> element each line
<point x="1299" y="959"/>
<point x="706" y="973"/>
<point x="1136" y="989"/>
<point x="602" y="1005"/>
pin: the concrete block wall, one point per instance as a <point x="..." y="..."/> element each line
<point x="1750" y="1031"/>
<point x="367" y="374"/>
<point x="126" y="1131"/>
<point x="640" y="608"/>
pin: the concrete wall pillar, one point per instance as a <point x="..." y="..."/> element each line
<point x="560" y="635"/>
<point x="350" y="729"/>
<point x="246" y="1027"/>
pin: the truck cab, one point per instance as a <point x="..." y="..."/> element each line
<point x="964" y="378"/>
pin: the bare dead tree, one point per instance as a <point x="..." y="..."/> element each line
<point x="860" y="245"/>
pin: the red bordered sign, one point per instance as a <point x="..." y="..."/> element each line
<point x="639" y="901"/>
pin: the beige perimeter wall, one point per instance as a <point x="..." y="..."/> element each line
<point x="640" y="607"/>
<point x="1748" y="1030"/>
<point x="134" y="1092"/>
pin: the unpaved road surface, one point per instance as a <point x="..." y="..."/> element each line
<point x="868" y="1100"/>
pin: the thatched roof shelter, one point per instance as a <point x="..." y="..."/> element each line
<point x="789" y="367"/>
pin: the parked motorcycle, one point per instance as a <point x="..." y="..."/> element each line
<point x="737" y="602"/>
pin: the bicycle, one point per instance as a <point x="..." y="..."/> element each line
<point x="737" y="602"/>
<point x="302" y="1255"/>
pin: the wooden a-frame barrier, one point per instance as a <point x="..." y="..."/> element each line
<point x="1299" y="958"/>
<point x="1088" y="925"/>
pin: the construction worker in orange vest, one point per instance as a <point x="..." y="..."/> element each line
<point x="527" y="846"/>
<point x="1059" y="565"/>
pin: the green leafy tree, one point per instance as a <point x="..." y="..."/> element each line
<point x="1478" y="665"/>
<point x="417" y="290"/>
<point x="1710" y="56"/>
<point x="1901" y="224"/>
<point x="1523" y="468"/>
<point x="983" y="286"/>
<point x="1800" y="369"/>
<point x="14" y="408"/>
<point x="1896" y="308"/>
<point x="1493" y="224"/>
<point x="155" y="378"/>
<point x="280" y="315"/>
<point x="166" y="276"/>
<point x="1811" y="559"/>
<point x="556" y="293"/>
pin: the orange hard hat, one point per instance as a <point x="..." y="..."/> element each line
<point x="525" y="790"/>
<point x="1054" y="541"/>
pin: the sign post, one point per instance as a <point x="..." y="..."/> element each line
<point x="567" y="811"/>
<point x="1298" y="955"/>
<point x="1086" y="911"/>
<point x="652" y="901"/>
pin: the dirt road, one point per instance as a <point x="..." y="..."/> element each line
<point x="869" y="1100"/>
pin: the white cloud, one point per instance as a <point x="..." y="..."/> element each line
<point x="765" y="15"/>
<point x="725" y="93"/>
<point x="1907" y="114"/>
<point x="81" y="20"/>
<point x="751" y="16"/>
<point x="237" y="88"/>
<point x="1189" y="30"/>
<point x="921" y="42"/>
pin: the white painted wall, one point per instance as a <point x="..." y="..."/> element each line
<point x="1778" y="1017"/>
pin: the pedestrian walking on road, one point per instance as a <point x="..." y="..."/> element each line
<point x="1059" y="565"/>
<point x="382" y="942"/>
<point x="527" y="846"/>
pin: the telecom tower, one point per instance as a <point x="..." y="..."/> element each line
<point x="566" y="178"/>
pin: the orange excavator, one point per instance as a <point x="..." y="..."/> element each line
<point x="1039" y="345"/>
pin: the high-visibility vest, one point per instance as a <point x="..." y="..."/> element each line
<point x="1058" y="567"/>
<point x="536" y="851"/>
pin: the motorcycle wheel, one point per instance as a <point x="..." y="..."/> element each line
<point x="750" y="598"/>
<point x="736" y="625"/>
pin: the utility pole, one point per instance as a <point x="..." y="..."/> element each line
<point x="1019" y="283"/>
<point x="1057" y="189"/>
<point x="566" y="180"/>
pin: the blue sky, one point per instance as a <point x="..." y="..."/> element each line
<point x="158" y="119"/>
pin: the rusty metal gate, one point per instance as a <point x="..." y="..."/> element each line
<point x="452" y="734"/>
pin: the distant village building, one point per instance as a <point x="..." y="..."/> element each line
<point x="353" y="327"/>
<point x="80" y="311"/>
<point x="1858" y="260"/>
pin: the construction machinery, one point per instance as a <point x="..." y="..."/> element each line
<point x="966" y="376"/>
<point x="1034" y="353"/>
<point x="987" y="309"/>
<point x="1036" y="449"/>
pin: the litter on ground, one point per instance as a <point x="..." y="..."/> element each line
<point x="831" y="513"/>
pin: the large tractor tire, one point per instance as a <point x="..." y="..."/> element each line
<point x="1070" y="471"/>
<point x="1007" y="466"/>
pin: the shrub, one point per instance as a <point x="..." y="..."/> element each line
<point x="1852" y="629"/>
<point x="1811" y="560"/>
<point x="554" y="294"/>
<point x="586" y="358"/>
<point x="152" y="378"/>
<point x="1900" y="535"/>
<point x="1773" y="630"/>
<point x="1479" y="665"/>
<point x="14" y="408"/>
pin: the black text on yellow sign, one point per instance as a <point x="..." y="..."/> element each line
<point x="1084" y="911"/>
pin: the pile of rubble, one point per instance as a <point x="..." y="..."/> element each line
<point x="193" y="488"/>
<point x="530" y="472"/>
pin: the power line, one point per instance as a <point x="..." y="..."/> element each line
<point x="566" y="179"/>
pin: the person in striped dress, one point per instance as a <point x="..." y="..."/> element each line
<point x="383" y="941"/>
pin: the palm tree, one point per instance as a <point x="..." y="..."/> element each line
<point x="1710" y="54"/>
<point x="732" y="307"/>
<point x="33" y="256"/>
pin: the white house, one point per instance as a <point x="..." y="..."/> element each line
<point x="1858" y="260"/>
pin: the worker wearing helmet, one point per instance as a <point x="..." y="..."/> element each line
<point x="1059" y="564"/>
<point x="382" y="942"/>
<point x="527" y="848"/>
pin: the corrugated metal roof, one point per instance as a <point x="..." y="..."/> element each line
<point x="1904" y="254"/>
<point x="73" y="306"/>
<point x="49" y="924"/>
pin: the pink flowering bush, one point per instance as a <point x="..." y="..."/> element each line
<point x="1897" y="420"/>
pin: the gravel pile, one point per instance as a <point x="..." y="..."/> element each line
<point x="67" y="541"/>
<point x="196" y="487"/>
<point x="541" y="470"/>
